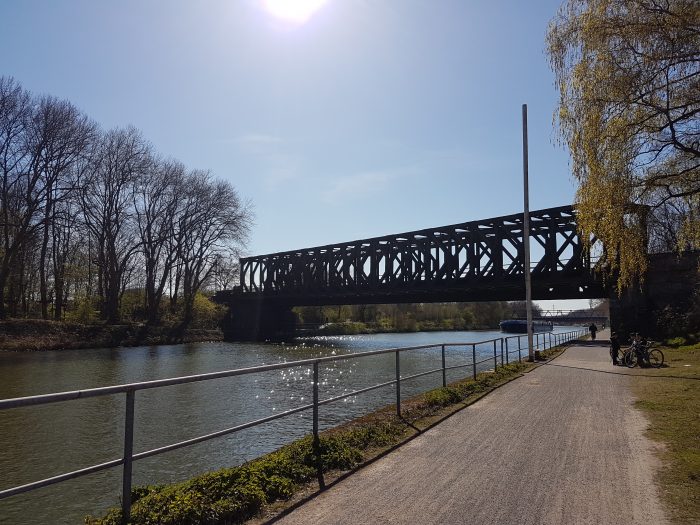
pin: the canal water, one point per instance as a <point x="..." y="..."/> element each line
<point x="43" y="441"/>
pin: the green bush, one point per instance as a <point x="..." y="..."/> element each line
<point x="236" y="494"/>
<point x="205" y="312"/>
<point x="84" y="310"/>
<point x="443" y="397"/>
<point x="346" y="328"/>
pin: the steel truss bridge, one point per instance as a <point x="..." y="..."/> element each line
<point x="471" y="261"/>
<point x="557" y="316"/>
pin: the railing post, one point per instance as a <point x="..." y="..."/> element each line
<point x="501" y="351"/>
<point x="507" y="358"/>
<point x="315" y="401"/>
<point x="474" y="360"/>
<point x="316" y="444"/>
<point x="550" y="339"/>
<point x="520" y="357"/>
<point x="128" y="456"/>
<point x="495" y="362"/>
<point x="444" y="374"/>
<point x="398" y="385"/>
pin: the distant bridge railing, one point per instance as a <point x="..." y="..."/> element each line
<point x="562" y="314"/>
<point x="501" y="355"/>
<point x="489" y="250"/>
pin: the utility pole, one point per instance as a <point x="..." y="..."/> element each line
<point x="526" y="241"/>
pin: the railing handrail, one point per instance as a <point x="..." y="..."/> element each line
<point x="130" y="389"/>
<point x="43" y="399"/>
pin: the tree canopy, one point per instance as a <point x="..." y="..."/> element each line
<point x="628" y="73"/>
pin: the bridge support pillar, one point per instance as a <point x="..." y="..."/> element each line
<point x="629" y="312"/>
<point x="661" y="305"/>
<point x="258" y="320"/>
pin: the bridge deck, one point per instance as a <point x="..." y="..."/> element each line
<point x="563" y="444"/>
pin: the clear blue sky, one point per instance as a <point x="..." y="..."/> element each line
<point x="372" y="117"/>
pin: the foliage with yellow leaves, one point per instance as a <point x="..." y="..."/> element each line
<point x="628" y="73"/>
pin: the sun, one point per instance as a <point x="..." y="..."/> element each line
<point x="296" y="11"/>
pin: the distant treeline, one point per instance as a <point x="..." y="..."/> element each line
<point x="410" y="317"/>
<point x="90" y="218"/>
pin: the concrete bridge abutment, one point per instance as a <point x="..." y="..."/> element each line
<point x="657" y="306"/>
<point x="257" y="319"/>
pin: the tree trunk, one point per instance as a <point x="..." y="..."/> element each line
<point x="3" y="281"/>
<point x="173" y="297"/>
<point x="58" y="310"/>
<point x="111" y="302"/>
<point x="43" y="292"/>
<point x="152" y="297"/>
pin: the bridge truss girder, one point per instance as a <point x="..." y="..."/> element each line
<point x="471" y="261"/>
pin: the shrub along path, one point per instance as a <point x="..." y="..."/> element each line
<point x="562" y="444"/>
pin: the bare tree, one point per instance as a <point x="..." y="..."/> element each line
<point x="156" y="204"/>
<point x="85" y="213"/>
<point x="225" y="270"/>
<point x="59" y="135"/>
<point x="213" y="219"/>
<point x="107" y="185"/>
<point x="21" y="193"/>
<point x="66" y="250"/>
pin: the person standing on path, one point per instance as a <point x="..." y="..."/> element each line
<point x="614" y="348"/>
<point x="593" y="329"/>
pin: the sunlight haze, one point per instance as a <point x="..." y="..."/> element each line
<point x="293" y="10"/>
<point x="367" y="119"/>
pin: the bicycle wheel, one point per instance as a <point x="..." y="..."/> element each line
<point x="656" y="358"/>
<point x="631" y="359"/>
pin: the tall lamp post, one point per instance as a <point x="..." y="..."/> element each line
<point x="526" y="242"/>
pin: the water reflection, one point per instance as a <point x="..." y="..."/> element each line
<point x="37" y="442"/>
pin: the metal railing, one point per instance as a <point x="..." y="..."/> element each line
<point x="542" y="341"/>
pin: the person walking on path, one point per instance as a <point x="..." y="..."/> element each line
<point x="593" y="329"/>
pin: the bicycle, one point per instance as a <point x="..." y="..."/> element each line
<point x="640" y="351"/>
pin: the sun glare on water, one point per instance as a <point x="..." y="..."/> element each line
<point x="296" y="11"/>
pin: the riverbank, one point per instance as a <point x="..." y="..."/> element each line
<point x="18" y="335"/>
<point x="268" y="485"/>
<point x="360" y="328"/>
<point x="670" y="397"/>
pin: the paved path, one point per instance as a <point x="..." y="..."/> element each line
<point x="561" y="445"/>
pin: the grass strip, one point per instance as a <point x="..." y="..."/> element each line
<point x="234" y="495"/>
<point x="670" y="397"/>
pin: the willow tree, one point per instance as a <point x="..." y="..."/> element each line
<point x="628" y="73"/>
